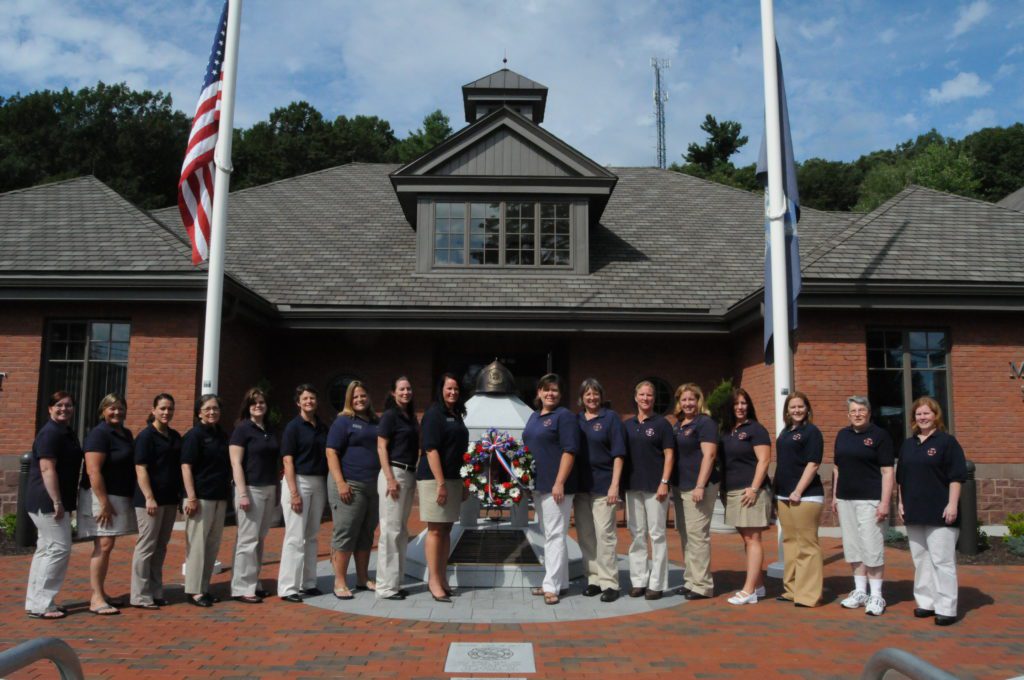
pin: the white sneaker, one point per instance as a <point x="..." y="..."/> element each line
<point x="743" y="598"/>
<point x="875" y="606"/>
<point x="856" y="598"/>
<point x="760" y="592"/>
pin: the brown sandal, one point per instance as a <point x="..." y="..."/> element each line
<point x="551" y="598"/>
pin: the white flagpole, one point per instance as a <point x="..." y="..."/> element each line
<point x="776" y="214"/>
<point x="221" y="186"/>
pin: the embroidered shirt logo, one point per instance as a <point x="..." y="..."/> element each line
<point x="932" y="451"/>
<point x="797" y="437"/>
<point x="597" y="427"/>
<point x="869" y="441"/>
<point x="687" y="432"/>
<point x="649" y="432"/>
<point x="742" y="436"/>
<point x="547" y="422"/>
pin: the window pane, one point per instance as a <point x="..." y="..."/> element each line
<point x="58" y="350"/>
<point x="440" y="257"/>
<point x="528" y="256"/>
<point x="477" y="210"/>
<point x="894" y="340"/>
<point x="918" y="340"/>
<point x="885" y="390"/>
<point x="101" y="331"/>
<point x="919" y="359"/>
<point x="104" y="378"/>
<point x="527" y="210"/>
<point x="456" y="256"/>
<point x="458" y="210"/>
<point x="562" y="211"/>
<point x="547" y="226"/>
<point x="457" y="241"/>
<point x="442" y="210"/>
<point x="59" y="332"/>
<point x="76" y="332"/>
<point x="119" y="332"/>
<point x="561" y="258"/>
<point x="512" y="257"/>
<point x="876" y="358"/>
<point x="937" y="359"/>
<point x="936" y="340"/>
<point x="875" y="340"/>
<point x="562" y="242"/>
<point x="119" y="351"/>
<point x="494" y="211"/>
<point x="440" y="241"/>
<point x="99" y="350"/>
<point x="491" y="257"/>
<point x="547" y="210"/>
<point x="894" y="358"/>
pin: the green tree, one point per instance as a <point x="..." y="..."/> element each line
<point x="724" y="140"/>
<point x="999" y="159"/>
<point x="436" y="128"/>
<point x="941" y="166"/>
<point x="828" y="185"/>
<point x="366" y="139"/>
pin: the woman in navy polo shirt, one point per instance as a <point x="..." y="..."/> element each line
<point x="398" y="449"/>
<point x="352" y="488"/>
<point x="105" y="501"/>
<point x="255" y="452"/>
<point x="746" y="453"/>
<point x="599" y="464"/>
<point x="799" y="496"/>
<point x="651" y="460"/>
<point x="552" y="435"/>
<point x="445" y="439"/>
<point x="303" y="496"/>
<point x="206" y="476"/>
<point x="157" y="493"/>
<point x="931" y="469"/>
<point x="862" y="482"/>
<point x="50" y="498"/>
<point x="695" y="488"/>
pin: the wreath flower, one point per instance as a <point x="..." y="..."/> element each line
<point x="498" y="469"/>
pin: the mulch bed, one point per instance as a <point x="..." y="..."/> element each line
<point x="996" y="553"/>
<point x="9" y="547"/>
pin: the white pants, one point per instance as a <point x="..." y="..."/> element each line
<point x="202" y="541"/>
<point x="298" y="551"/>
<point x="150" y="551"/>
<point x="253" y="525"/>
<point x="394" y="531"/>
<point x="646" y="517"/>
<point x="50" y="563"/>
<point x="554" y="520"/>
<point x="933" y="550"/>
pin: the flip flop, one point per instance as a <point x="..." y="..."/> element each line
<point x="51" y="615"/>
<point x="551" y="598"/>
<point x="369" y="585"/>
<point x="151" y="605"/>
<point x="343" y="594"/>
<point x="106" y="610"/>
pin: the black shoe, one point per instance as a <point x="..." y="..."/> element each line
<point x="592" y="591"/>
<point x="652" y="595"/>
<point x="396" y="596"/>
<point x="802" y="606"/>
<point x="160" y="602"/>
<point x="248" y="599"/>
<point x="941" y="620"/>
<point x="609" y="595"/>
<point x="782" y="598"/>
<point x="637" y="592"/>
<point x="294" y="597"/>
<point x="690" y="595"/>
<point x="923" y="613"/>
<point x="311" y="592"/>
<point x="403" y="592"/>
<point x="442" y="598"/>
<point x="200" y="601"/>
<point x="262" y="593"/>
<point x="212" y="598"/>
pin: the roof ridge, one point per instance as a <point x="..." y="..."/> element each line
<point x="67" y="180"/>
<point x="992" y="204"/>
<point x="858" y="225"/>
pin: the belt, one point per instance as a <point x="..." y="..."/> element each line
<point x="401" y="466"/>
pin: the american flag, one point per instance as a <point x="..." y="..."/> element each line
<point x="195" y="188"/>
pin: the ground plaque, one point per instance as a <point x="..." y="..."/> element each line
<point x="490" y="657"/>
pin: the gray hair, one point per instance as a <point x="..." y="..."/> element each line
<point x="860" y="401"/>
<point x="591" y="384"/>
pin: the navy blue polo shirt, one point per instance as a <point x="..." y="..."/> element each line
<point x="205" y="448"/>
<point x="603" y="440"/>
<point x="119" y="462"/>
<point x="444" y="431"/>
<point x="738" y="458"/>
<point x="548" y="436"/>
<point x="306" y="443"/>
<point x="689" y="455"/>
<point x="261" y="459"/>
<point x="860" y="457"/>
<point x="161" y="456"/>
<point x="355" y="440"/>
<point x="646" y="443"/>
<point x="924" y="473"/>
<point x="403" y="435"/>
<point x="58" y="443"/>
<point x="794" y="449"/>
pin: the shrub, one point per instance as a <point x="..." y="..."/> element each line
<point x="892" y="536"/>
<point x="983" y="541"/>
<point x="1015" y="524"/>
<point x="718" y="397"/>
<point x="1015" y="544"/>
<point x="7" y="523"/>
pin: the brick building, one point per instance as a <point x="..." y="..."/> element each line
<point x="505" y="242"/>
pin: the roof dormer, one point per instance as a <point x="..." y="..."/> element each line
<point x="504" y="88"/>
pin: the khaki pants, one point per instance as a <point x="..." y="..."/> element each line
<point x="394" y="531"/>
<point x="202" y="541"/>
<point x="693" y="522"/>
<point x="50" y="563"/>
<point x="647" y="516"/>
<point x="933" y="550"/>
<point x="298" y="551"/>
<point x="802" y="573"/>
<point x="595" y="530"/>
<point x="253" y="526"/>
<point x="150" y="551"/>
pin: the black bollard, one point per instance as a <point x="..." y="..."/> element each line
<point x="968" y="541"/>
<point x="24" y="529"/>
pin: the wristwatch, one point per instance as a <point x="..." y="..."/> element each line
<point x="664" y="481"/>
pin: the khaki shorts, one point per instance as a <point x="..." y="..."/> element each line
<point x="122" y="523"/>
<point x="355" y="522"/>
<point x="863" y="535"/>
<point x="758" y="515"/>
<point x="430" y="511"/>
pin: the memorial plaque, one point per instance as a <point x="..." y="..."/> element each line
<point x="490" y="657"/>
<point x="493" y="547"/>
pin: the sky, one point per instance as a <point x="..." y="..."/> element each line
<point x="861" y="75"/>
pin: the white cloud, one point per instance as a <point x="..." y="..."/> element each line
<point x="821" y="29"/>
<point x="962" y="86"/>
<point x="888" y="36"/>
<point x="1016" y="49"/>
<point x="970" y="15"/>
<point x="980" y="118"/>
<point x="909" y="120"/>
<point x="1005" y="71"/>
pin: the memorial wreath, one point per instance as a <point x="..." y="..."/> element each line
<point x="498" y="469"/>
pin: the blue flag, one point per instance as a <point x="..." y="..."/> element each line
<point x="792" y="196"/>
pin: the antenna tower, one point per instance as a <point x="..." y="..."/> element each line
<point x="660" y="97"/>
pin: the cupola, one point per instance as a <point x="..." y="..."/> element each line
<point x="504" y="88"/>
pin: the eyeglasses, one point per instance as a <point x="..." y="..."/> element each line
<point x="210" y="409"/>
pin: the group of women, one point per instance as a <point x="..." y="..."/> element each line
<point x="366" y="468"/>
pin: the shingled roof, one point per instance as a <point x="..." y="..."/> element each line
<point x="81" y="225"/>
<point x="927" y="236"/>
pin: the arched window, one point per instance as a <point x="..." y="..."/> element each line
<point x="662" y="394"/>
<point x="336" y="389"/>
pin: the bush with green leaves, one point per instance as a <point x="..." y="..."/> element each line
<point x="1015" y="524"/>
<point x="718" y="397"/>
<point x="893" y="536"/>
<point x="1015" y="544"/>
<point x="7" y="523"/>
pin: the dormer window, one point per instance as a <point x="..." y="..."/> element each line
<point x="503" y="233"/>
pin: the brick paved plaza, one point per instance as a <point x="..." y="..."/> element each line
<point x="704" y="639"/>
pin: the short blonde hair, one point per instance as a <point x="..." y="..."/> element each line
<point x="695" y="389"/>
<point x="110" y="400"/>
